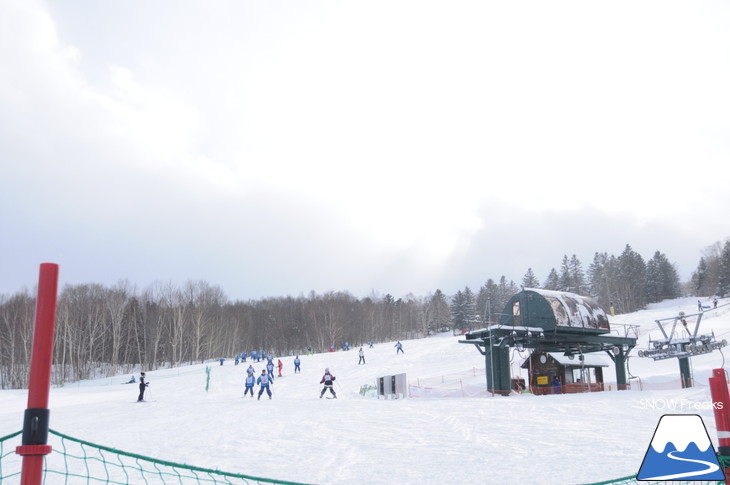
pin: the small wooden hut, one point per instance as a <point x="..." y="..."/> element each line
<point x="564" y="373"/>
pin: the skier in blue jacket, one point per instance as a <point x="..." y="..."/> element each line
<point x="249" y="382"/>
<point x="265" y="384"/>
<point x="270" y="368"/>
<point x="297" y="362"/>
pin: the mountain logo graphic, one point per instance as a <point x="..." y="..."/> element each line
<point x="680" y="450"/>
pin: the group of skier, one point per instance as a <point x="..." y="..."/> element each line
<point x="266" y="379"/>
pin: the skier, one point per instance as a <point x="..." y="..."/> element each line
<point x="131" y="381"/>
<point x="243" y="356"/>
<point x="328" y="380"/>
<point x="249" y="382"/>
<point x="361" y="352"/>
<point x="296" y="364"/>
<point x="222" y="360"/>
<point x="251" y="369"/>
<point x="265" y="382"/>
<point x="270" y="368"/>
<point x="142" y="386"/>
<point x="280" y="364"/>
<point x="399" y="347"/>
<point x="236" y="359"/>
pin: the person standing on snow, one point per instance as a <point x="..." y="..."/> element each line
<point x="399" y="347"/>
<point x="280" y="364"/>
<point x="296" y="364"/>
<point x="249" y="382"/>
<point x="270" y="368"/>
<point x="142" y="386"/>
<point x="251" y="369"/>
<point x="328" y="380"/>
<point x="362" y="356"/>
<point x="265" y="382"/>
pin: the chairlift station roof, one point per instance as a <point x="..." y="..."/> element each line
<point x="554" y="321"/>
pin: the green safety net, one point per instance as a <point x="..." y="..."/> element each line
<point x="73" y="461"/>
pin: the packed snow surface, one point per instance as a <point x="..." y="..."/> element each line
<point x="470" y="437"/>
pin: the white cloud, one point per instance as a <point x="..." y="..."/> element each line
<point x="416" y="140"/>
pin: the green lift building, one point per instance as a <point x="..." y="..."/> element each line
<point x="549" y="321"/>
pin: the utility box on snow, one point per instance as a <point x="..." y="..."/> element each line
<point x="392" y="386"/>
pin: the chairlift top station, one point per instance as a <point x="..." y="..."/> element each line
<point x="550" y="321"/>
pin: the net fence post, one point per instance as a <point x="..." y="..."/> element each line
<point x="34" y="445"/>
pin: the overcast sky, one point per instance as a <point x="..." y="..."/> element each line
<point x="275" y="148"/>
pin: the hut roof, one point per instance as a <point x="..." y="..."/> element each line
<point x="589" y="360"/>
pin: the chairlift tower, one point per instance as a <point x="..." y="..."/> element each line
<point x="682" y="345"/>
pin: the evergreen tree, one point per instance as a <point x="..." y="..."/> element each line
<point x="631" y="273"/>
<point x="653" y="284"/>
<point x="699" y="277"/>
<point x="553" y="281"/>
<point x="505" y="291"/>
<point x="705" y="281"/>
<point x="529" y="280"/>
<point x="671" y="287"/>
<point x="723" y="277"/>
<point x="577" y="276"/>
<point x="601" y="279"/>
<point x="487" y="302"/>
<point x="470" y="309"/>
<point x="565" y="283"/>
<point x="439" y="313"/>
<point x="459" y="313"/>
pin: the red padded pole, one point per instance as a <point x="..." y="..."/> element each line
<point x="721" y="406"/>
<point x="35" y="425"/>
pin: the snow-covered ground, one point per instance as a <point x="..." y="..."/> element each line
<point x="297" y="436"/>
